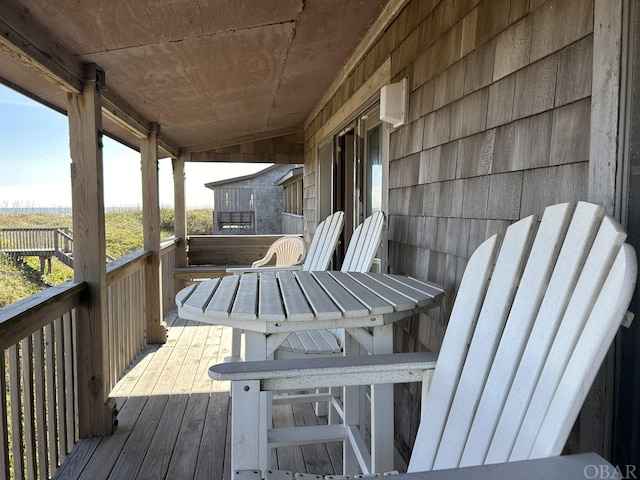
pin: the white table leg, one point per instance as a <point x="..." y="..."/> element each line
<point x="382" y="423"/>
<point x="245" y="443"/>
<point x="236" y="342"/>
<point x="256" y="349"/>
<point x="351" y="407"/>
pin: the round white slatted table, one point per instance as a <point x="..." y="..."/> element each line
<point x="269" y="306"/>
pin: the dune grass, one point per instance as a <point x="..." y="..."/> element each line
<point x="123" y="231"/>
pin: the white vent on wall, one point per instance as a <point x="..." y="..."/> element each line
<point x="394" y="104"/>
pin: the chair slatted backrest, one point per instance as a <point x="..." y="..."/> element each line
<point x="364" y="244"/>
<point x="324" y="242"/>
<point x="532" y="322"/>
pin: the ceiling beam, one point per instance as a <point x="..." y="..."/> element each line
<point x="253" y="137"/>
<point x="23" y="38"/>
<point x="237" y="157"/>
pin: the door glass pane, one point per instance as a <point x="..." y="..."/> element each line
<point x="373" y="170"/>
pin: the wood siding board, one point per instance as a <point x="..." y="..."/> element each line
<point x="444" y="199"/>
<point x="513" y="48"/>
<point x="535" y="87"/>
<point x="575" y="67"/>
<point x="493" y="17"/>
<point x="501" y="98"/>
<point x="571" y="132"/>
<point x="476" y="196"/>
<point x="474" y="114"/>
<point x="405" y="53"/>
<point x="475" y="154"/>
<point x="505" y="192"/>
<point x="416" y="133"/>
<point x="457" y="236"/>
<point x="457" y="198"/>
<point x="437" y="129"/>
<point x="547" y="186"/>
<point x="429" y="199"/>
<point x="519" y="8"/>
<point x="449" y="84"/>
<point x="504" y="148"/>
<point x="469" y="28"/>
<point x="480" y="67"/>
<point x="477" y="234"/>
<point x="551" y="29"/>
<point x="541" y="129"/>
<point x="423" y="171"/>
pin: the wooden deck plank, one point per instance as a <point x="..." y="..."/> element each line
<point x="178" y="426"/>
<point x="185" y="453"/>
<point x="130" y="460"/>
<point x="211" y="456"/>
<point x="110" y="448"/>
<point x="158" y="456"/>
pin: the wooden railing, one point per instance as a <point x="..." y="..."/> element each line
<point x="125" y="311"/>
<point x="209" y="255"/>
<point x="169" y="284"/>
<point x="38" y="422"/>
<point x="38" y="412"/>
<point x="36" y="239"/>
<point x="43" y="242"/>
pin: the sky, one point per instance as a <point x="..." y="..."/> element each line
<point x="35" y="163"/>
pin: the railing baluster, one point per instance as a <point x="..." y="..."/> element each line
<point x="40" y="403"/>
<point x="70" y="377"/>
<point x="52" y="411"/>
<point x="16" y="412"/>
<point x="28" y="413"/>
<point x="60" y="388"/>
<point x="4" y="433"/>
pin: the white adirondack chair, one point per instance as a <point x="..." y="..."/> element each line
<point x="359" y="257"/>
<point x="323" y="244"/>
<point x="531" y="324"/>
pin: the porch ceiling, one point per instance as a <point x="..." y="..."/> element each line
<point x="207" y="71"/>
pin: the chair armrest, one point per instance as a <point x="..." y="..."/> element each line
<point x="264" y="260"/>
<point x="329" y="372"/>
<point x="241" y="270"/>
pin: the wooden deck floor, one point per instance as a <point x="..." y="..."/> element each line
<point x="172" y="420"/>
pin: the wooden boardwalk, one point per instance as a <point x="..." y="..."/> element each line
<point x="173" y="420"/>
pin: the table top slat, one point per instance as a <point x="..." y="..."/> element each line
<point x="320" y="302"/>
<point x="295" y="303"/>
<point x="270" y="302"/>
<point x="220" y="304"/>
<point x="184" y="294"/>
<point x="400" y="302"/>
<point x="375" y="304"/>
<point x="431" y="288"/>
<point x="245" y="303"/>
<point x="197" y="301"/>
<point x="420" y="293"/>
<point x="349" y="305"/>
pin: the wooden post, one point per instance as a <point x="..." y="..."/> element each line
<point x="156" y="327"/>
<point x="180" y="217"/>
<point x="85" y="138"/>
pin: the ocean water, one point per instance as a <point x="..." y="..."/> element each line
<point x="63" y="211"/>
